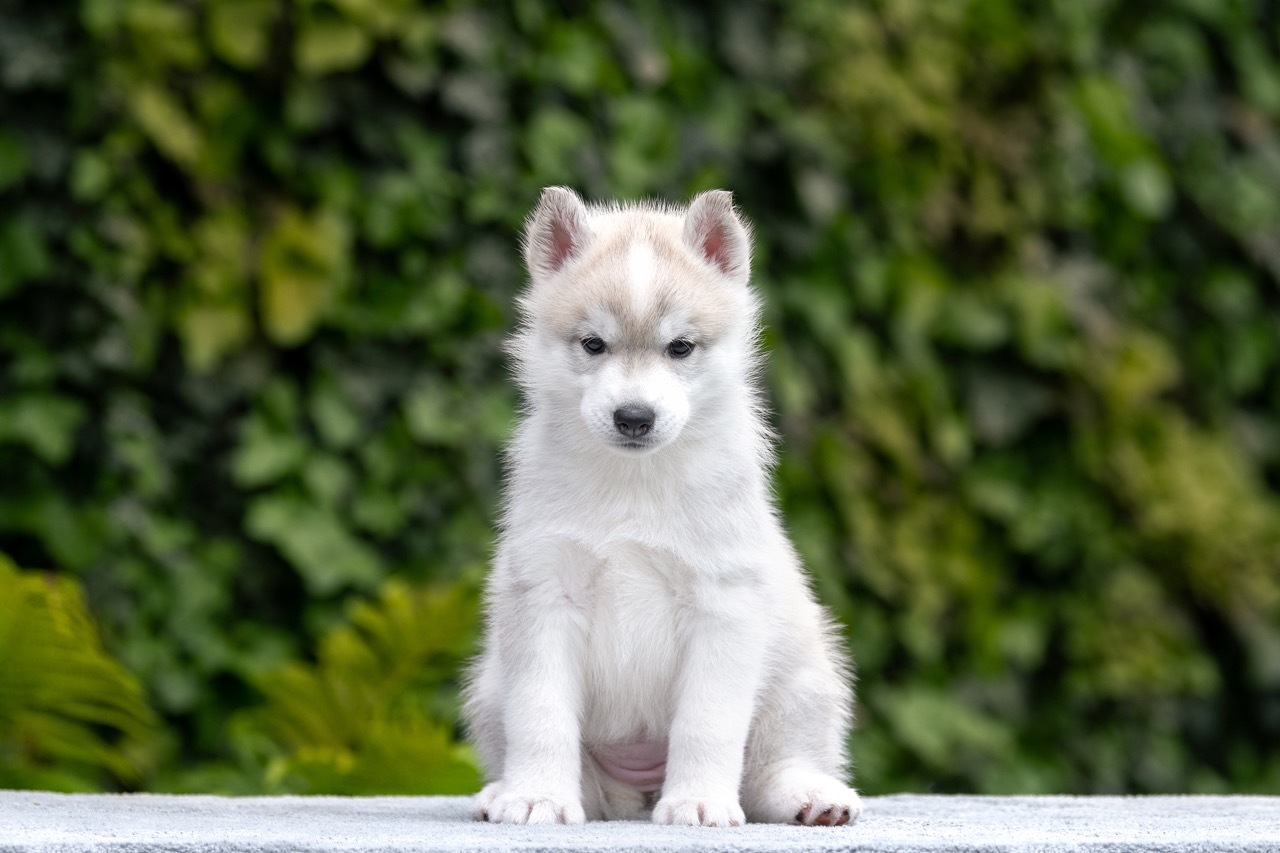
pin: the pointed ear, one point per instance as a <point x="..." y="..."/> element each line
<point x="556" y="232"/>
<point x="713" y="229"/>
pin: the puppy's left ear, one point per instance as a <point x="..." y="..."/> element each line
<point x="713" y="229"/>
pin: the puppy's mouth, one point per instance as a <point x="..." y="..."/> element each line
<point x="634" y="444"/>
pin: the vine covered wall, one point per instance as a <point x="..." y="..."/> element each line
<point x="1022" y="271"/>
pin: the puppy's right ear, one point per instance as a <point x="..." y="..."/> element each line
<point x="556" y="232"/>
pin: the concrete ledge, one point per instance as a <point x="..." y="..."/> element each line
<point x="31" y="821"/>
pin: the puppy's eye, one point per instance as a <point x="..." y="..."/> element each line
<point x="593" y="345"/>
<point x="679" y="348"/>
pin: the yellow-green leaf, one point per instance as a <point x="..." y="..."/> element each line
<point x="303" y="265"/>
<point x="323" y="47"/>
<point x="240" y="30"/>
<point x="167" y="124"/>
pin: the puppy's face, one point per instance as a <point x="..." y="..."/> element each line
<point x="630" y="320"/>
<point x="637" y="352"/>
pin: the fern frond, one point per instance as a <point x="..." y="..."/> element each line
<point x="67" y="709"/>
<point x="368" y="717"/>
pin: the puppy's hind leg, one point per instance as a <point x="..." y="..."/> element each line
<point x="482" y="711"/>
<point x="795" y="759"/>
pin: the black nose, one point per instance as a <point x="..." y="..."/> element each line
<point x="633" y="421"/>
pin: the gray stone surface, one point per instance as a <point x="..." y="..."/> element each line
<point x="44" y="822"/>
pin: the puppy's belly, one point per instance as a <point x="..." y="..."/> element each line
<point x="641" y="765"/>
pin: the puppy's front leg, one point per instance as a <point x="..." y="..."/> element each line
<point x="714" y="706"/>
<point x="540" y="642"/>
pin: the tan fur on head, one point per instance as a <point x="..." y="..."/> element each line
<point x="595" y="243"/>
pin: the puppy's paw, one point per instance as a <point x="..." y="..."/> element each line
<point x="497" y="806"/>
<point x="817" y="800"/>
<point x="698" y="811"/>
<point x="482" y="801"/>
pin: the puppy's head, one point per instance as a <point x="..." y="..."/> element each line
<point x="638" y="318"/>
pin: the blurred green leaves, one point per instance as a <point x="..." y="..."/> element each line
<point x="328" y="556"/>
<point x="239" y="31"/>
<point x="1122" y="146"/>
<point x="1020" y="264"/>
<point x="304" y="263"/>
<point x="45" y="423"/>
<point x="23" y="255"/>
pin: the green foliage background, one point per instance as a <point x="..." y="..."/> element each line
<point x="1022" y="267"/>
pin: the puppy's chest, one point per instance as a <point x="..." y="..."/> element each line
<point x="635" y="634"/>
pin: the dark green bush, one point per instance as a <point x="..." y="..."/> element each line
<point x="1022" y="263"/>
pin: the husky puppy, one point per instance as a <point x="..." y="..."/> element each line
<point x="653" y="649"/>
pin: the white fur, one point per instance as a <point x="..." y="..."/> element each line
<point x="647" y="595"/>
<point x="641" y="269"/>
